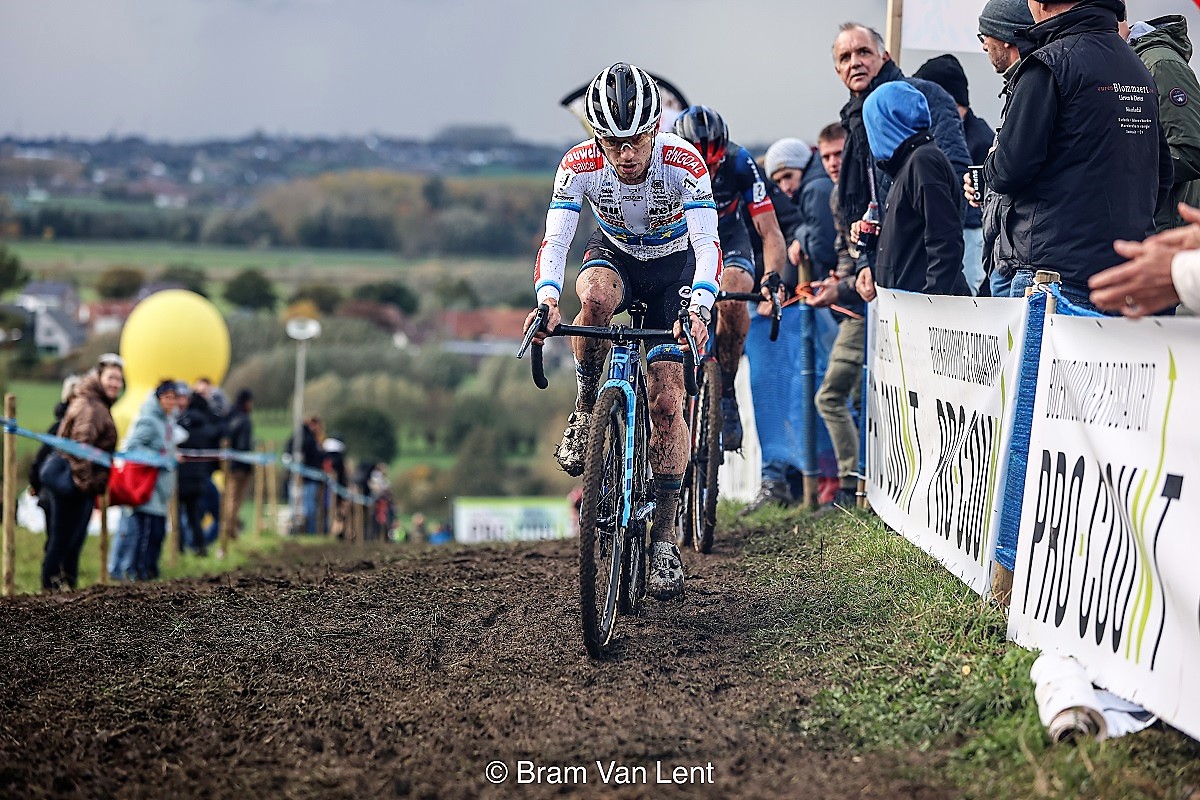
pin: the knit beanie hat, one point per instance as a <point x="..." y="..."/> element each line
<point x="947" y="73"/>
<point x="786" y="153"/>
<point x="1000" y="19"/>
<point x="893" y="113"/>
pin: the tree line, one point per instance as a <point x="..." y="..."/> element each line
<point x="411" y="215"/>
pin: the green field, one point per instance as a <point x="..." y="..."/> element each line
<point x="29" y="548"/>
<point x="85" y="259"/>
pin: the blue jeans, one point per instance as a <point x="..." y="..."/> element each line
<point x="310" y="496"/>
<point x="122" y="557"/>
<point x="973" y="258"/>
<point x="1001" y="286"/>
<point x="151" y="529"/>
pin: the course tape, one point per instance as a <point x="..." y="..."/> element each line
<point x="1068" y="309"/>
<point x="161" y="461"/>
<point x="1014" y="481"/>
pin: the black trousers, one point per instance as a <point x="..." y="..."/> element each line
<point x="66" y="532"/>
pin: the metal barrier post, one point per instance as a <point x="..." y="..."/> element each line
<point x="808" y="389"/>
<point x="10" y="500"/>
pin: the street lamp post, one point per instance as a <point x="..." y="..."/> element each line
<point x="303" y="330"/>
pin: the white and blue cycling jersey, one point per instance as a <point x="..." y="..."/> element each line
<point x="671" y="208"/>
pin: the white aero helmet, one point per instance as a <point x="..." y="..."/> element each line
<point x="622" y="101"/>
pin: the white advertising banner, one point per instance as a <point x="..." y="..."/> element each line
<point x="510" y="519"/>
<point x="940" y="397"/>
<point x="942" y="25"/>
<point x="1107" y="554"/>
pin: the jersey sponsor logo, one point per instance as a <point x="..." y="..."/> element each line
<point x="683" y="159"/>
<point x="584" y="158"/>
<point x="758" y="192"/>
<point x="1178" y="96"/>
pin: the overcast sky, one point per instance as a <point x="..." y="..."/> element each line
<point x="192" y="69"/>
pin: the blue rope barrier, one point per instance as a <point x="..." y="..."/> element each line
<point x="1068" y="309"/>
<point x="161" y="461"/>
<point x="1018" y="463"/>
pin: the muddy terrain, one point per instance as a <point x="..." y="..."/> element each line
<point x="349" y="673"/>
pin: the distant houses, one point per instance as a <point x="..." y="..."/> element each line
<point x="53" y="308"/>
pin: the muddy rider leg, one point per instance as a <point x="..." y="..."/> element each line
<point x="668" y="458"/>
<point x="733" y="322"/>
<point x="600" y="291"/>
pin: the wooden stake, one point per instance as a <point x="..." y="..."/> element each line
<point x="895" y="25"/>
<point x="227" y="513"/>
<point x="10" y="500"/>
<point x="173" y="520"/>
<point x="272" y="492"/>
<point x="104" y="538"/>
<point x="259" y="473"/>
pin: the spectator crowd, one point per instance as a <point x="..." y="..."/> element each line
<point x="1093" y="172"/>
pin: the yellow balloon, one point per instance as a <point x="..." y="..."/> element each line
<point x="173" y="334"/>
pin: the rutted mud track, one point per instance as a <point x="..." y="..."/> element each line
<point x="385" y="674"/>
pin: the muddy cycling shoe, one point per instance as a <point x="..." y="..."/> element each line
<point x="731" y="437"/>
<point x="665" y="581"/>
<point x="770" y="493"/>
<point x="570" y="451"/>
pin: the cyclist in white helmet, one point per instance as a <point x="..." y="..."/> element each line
<point x="656" y="243"/>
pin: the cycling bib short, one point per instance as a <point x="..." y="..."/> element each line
<point x="663" y="284"/>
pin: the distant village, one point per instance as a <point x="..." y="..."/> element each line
<point x="228" y="173"/>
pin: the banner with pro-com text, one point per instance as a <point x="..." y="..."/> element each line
<point x="940" y="396"/>
<point x="1108" y="551"/>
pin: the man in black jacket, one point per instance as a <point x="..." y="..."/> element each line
<point x="239" y="429"/>
<point x="920" y="240"/>
<point x="1081" y="158"/>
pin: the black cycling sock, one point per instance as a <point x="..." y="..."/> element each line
<point x="588" y="386"/>
<point x="666" y="505"/>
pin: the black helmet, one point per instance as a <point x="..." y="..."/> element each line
<point x="704" y="128"/>
<point x="622" y="101"/>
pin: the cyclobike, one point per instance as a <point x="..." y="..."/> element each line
<point x="698" y="501"/>
<point x="618" y="497"/>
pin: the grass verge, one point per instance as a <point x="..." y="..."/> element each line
<point x="909" y="658"/>
<point x="29" y="549"/>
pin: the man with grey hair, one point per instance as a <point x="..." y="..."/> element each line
<point x="863" y="63"/>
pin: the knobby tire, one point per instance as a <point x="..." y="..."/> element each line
<point x="601" y="536"/>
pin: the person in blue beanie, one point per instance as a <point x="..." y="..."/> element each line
<point x="920" y="238"/>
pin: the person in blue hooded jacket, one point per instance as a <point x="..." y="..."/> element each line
<point x="920" y="239"/>
<point x="138" y="543"/>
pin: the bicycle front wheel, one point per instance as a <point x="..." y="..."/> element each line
<point x="699" y="506"/>
<point x="602" y="520"/>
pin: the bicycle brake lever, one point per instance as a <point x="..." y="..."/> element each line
<point x="539" y="324"/>
<point x="689" y="359"/>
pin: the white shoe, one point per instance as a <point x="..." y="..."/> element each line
<point x="665" y="581"/>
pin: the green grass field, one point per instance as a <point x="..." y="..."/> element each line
<point x="29" y="548"/>
<point x="910" y="658"/>
<point x="84" y="260"/>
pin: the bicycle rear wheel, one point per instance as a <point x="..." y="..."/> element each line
<point x="601" y="532"/>
<point x="699" y="506"/>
